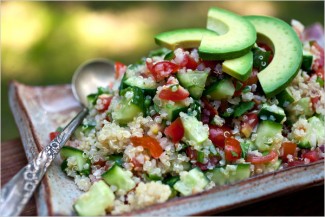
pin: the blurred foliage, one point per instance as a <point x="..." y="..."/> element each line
<point x="44" y="42"/>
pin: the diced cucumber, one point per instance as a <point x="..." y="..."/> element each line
<point x="154" y="177"/>
<point x="302" y="107"/>
<point x="171" y="182"/>
<point x="230" y="174"/>
<point x="115" y="158"/>
<point x="83" y="130"/>
<point x="242" y="108"/>
<point x="118" y="177"/>
<point x="223" y="89"/>
<point x="266" y="131"/>
<point x="194" y="129"/>
<point x="83" y="163"/>
<point x="194" y="82"/>
<point x="174" y="110"/>
<point x="130" y="106"/>
<point x="260" y="58"/>
<point x="95" y="201"/>
<point x="148" y="86"/>
<point x="307" y="61"/>
<point x="272" y="112"/>
<point x="285" y="98"/>
<point x="274" y="166"/>
<point x="194" y="181"/>
<point x="314" y="134"/>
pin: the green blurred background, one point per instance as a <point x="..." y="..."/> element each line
<point x="44" y="42"/>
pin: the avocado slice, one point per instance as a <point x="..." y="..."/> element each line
<point x="184" y="38"/>
<point x="236" y="36"/>
<point x="287" y="48"/>
<point x="239" y="68"/>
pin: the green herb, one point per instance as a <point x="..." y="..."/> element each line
<point x="234" y="154"/>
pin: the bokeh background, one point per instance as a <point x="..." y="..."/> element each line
<point x="42" y="43"/>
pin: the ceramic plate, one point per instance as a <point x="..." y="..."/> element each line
<point x="40" y="110"/>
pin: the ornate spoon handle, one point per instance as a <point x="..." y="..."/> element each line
<point x="17" y="192"/>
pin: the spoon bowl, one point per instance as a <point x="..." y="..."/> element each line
<point x="90" y="75"/>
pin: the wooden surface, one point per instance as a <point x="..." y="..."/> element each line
<point x="307" y="202"/>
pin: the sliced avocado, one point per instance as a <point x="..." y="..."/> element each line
<point x="184" y="38"/>
<point x="287" y="50"/>
<point x="236" y="36"/>
<point x="239" y="68"/>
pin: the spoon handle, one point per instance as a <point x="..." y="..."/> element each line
<point x="17" y="192"/>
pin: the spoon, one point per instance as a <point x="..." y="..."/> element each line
<point x="17" y="192"/>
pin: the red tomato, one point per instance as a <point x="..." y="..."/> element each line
<point x="311" y="155"/>
<point x="252" y="79"/>
<point x="319" y="62"/>
<point x="178" y="95"/>
<point x="162" y="70"/>
<point x="120" y="69"/>
<point x="218" y="135"/>
<point x="314" y="101"/>
<point x="249" y="124"/>
<point x="295" y="163"/>
<point x="149" y="143"/>
<point x="210" y="64"/>
<point x="288" y="148"/>
<point x="105" y="102"/>
<point x="262" y="159"/>
<point x="175" y="131"/>
<point x="52" y="135"/>
<point x="188" y="62"/>
<point x="232" y="149"/>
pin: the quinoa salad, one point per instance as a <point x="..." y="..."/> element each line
<point x="211" y="107"/>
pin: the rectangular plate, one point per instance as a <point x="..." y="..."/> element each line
<point x="40" y="110"/>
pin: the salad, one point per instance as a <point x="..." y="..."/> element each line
<point x="216" y="105"/>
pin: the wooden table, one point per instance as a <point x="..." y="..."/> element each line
<point x="305" y="202"/>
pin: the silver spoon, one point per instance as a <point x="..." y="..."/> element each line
<point x="17" y="192"/>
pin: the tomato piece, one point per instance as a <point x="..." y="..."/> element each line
<point x="295" y="163"/>
<point x="162" y="70"/>
<point x="52" y="135"/>
<point x="175" y="131"/>
<point x="187" y="61"/>
<point x="191" y="153"/>
<point x="262" y="159"/>
<point x="232" y="149"/>
<point x="104" y="102"/>
<point x="314" y="101"/>
<point x="148" y="143"/>
<point x="248" y="124"/>
<point x="311" y="155"/>
<point x="319" y="62"/>
<point x="288" y="148"/>
<point x="120" y="69"/>
<point x="168" y="93"/>
<point x="218" y="135"/>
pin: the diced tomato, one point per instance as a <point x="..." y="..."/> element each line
<point x="52" y="135"/>
<point x="188" y="61"/>
<point x="252" y="79"/>
<point x="248" y="124"/>
<point x="311" y="155"/>
<point x="218" y="135"/>
<point x="105" y="101"/>
<point x="175" y="131"/>
<point x="120" y="69"/>
<point x="264" y="46"/>
<point x="232" y="149"/>
<point x="167" y="93"/>
<point x="148" y="143"/>
<point x="319" y="62"/>
<point x="314" y="101"/>
<point x="296" y="163"/>
<point x="262" y="159"/>
<point x="210" y="64"/>
<point x="288" y="148"/>
<point x="191" y="153"/>
<point x="100" y="163"/>
<point x="162" y="70"/>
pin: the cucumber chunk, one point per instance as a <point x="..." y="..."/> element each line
<point x="230" y="174"/>
<point x="148" y="86"/>
<point x="130" y="106"/>
<point x="220" y="90"/>
<point x="272" y="112"/>
<point x="242" y="108"/>
<point x="194" y="82"/>
<point x="83" y="164"/>
<point x="95" y="201"/>
<point x="192" y="182"/>
<point x="194" y="131"/>
<point x="174" y="110"/>
<point x="266" y="131"/>
<point x="314" y="134"/>
<point x="285" y="98"/>
<point x="118" y="177"/>
<point x="307" y="61"/>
